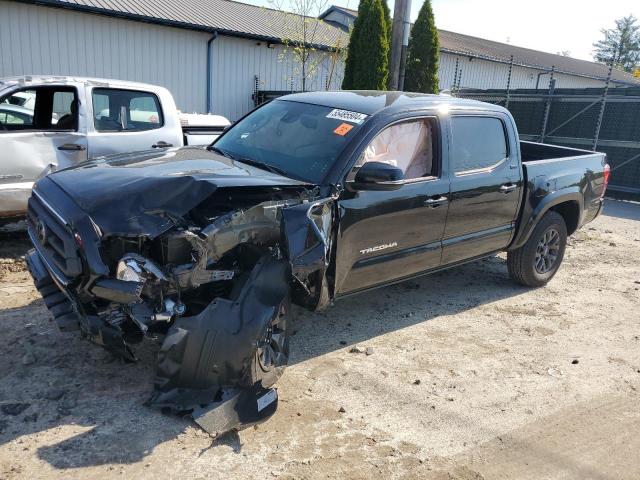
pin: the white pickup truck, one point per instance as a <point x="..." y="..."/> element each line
<point x="48" y="123"/>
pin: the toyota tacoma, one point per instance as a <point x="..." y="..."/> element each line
<point x="307" y="199"/>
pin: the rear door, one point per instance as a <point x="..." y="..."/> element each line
<point x="125" y="120"/>
<point x="40" y="131"/>
<point x="486" y="183"/>
<point x="389" y="235"/>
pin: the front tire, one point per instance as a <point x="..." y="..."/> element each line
<point x="272" y="353"/>
<point x="538" y="260"/>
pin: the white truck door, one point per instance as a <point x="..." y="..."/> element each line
<point x="127" y="120"/>
<point x="37" y="136"/>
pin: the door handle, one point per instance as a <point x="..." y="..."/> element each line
<point x="161" y="144"/>
<point x="74" y="147"/>
<point x="508" y="188"/>
<point x="436" y="202"/>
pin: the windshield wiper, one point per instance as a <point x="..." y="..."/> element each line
<point x="217" y="150"/>
<point x="248" y="161"/>
<point x="264" y="166"/>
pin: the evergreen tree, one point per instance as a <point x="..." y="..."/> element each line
<point x="389" y="22"/>
<point x="367" y="65"/>
<point x="621" y="45"/>
<point x="421" y="72"/>
<point x="387" y="18"/>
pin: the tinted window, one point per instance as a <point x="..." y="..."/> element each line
<point x="478" y="142"/>
<point x="125" y="110"/>
<point x="301" y="139"/>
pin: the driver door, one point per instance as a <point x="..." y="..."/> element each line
<point x="385" y="236"/>
<point x="39" y="133"/>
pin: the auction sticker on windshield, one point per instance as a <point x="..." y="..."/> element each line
<point x="343" y="129"/>
<point x="347" y="116"/>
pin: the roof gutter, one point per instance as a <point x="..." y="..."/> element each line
<point x="209" y="66"/>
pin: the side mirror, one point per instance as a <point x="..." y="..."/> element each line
<point x="378" y="176"/>
<point x="227" y="127"/>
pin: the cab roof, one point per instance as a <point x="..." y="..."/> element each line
<point x="371" y="102"/>
<point x="30" y="80"/>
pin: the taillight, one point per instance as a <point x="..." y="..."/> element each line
<point x="605" y="177"/>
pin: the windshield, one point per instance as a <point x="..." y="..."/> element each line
<point x="298" y="139"/>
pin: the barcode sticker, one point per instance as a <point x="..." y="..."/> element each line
<point x="347" y="116"/>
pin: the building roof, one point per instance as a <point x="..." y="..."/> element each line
<point x="240" y="19"/>
<point x="460" y="44"/>
<point x="222" y="16"/>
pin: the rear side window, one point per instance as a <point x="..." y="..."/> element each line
<point x="116" y="110"/>
<point x="478" y="143"/>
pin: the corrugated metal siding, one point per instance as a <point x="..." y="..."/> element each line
<point x="485" y="74"/>
<point x="42" y="40"/>
<point x="237" y="62"/>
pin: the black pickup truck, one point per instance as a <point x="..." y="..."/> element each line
<point x="309" y="198"/>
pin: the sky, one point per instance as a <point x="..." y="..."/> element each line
<point x="549" y="25"/>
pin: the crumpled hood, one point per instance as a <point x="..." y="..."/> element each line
<point x="140" y="193"/>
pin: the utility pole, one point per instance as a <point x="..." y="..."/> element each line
<point x="399" y="43"/>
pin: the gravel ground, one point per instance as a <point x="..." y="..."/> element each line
<point x="468" y="377"/>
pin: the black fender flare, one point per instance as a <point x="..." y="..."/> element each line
<point x="549" y="201"/>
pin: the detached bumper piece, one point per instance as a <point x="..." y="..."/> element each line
<point x="56" y="301"/>
<point x="237" y="409"/>
<point x="204" y="361"/>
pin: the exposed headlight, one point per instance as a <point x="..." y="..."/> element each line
<point x="129" y="270"/>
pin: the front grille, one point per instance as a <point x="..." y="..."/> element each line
<point x="54" y="237"/>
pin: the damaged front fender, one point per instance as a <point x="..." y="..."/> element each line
<point x="220" y="347"/>
<point x="308" y="232"/>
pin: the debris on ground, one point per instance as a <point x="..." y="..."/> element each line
<point x="28" y="359"/>
<point x="14" y="408"/>
<point x="54" y="394"/>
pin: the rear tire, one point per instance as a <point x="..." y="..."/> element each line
<point x="538" y="260"/>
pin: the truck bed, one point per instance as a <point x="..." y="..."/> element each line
<point x="533" y="152"/>
<point x="560" y="174"/>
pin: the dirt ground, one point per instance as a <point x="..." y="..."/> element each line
<point x="469" y="377"/>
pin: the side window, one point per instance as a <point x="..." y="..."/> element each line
<point x="478" y="142"/>
<point x="65" y="111"/>
<point x="16" y="110"/>
<point x="407" y="145"/>
<point x="125" y="110"/>
<point x="47" y="108"/>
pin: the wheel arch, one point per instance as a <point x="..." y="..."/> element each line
<point x="569" y="205"/>
<point x="570" y="211"/>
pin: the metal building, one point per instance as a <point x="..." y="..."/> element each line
<point x="471" y="62"/>
<point x="211" y="54"/>
<point x="215" y="54"/>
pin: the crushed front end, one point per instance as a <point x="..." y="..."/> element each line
<point x="217" y="280"/>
